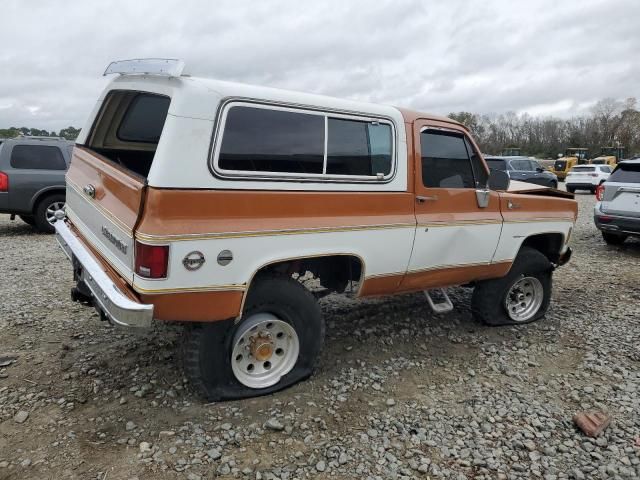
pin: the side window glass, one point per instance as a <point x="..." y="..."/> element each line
<point x="445" y="161"/>
<point x="358" y="148"/>
<point x="37" y="157"/>
<point x="479" y="171"/>
<point x="267" y="140"/>
<point x="520" y="165"/>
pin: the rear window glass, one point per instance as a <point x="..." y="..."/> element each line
<point x="267" y="140"/>
<point x="37" y="157"/>
<point x="358" y="147"/>
<point x="626" y="174"/>
<point x="583" y="169"/>
<point x="496" y="163"/>
<point x="144" y="119"/>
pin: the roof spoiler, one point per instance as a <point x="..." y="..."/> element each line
<point x="166" y="67"/>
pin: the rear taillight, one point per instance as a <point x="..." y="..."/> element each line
<point x="152" y="261"/>
<point x="600" y="192"/>
<point x="4" y="182"/>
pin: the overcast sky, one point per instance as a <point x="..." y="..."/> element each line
<point x="544" y="57"/>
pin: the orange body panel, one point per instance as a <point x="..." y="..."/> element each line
<point x="179" y="212"/>
<point x="116" y="190"/>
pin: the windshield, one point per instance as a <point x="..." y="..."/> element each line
<point x="496" y="163"/>
<point x="560" y="165"/>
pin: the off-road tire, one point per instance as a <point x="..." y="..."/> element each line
<point x="207" y="347"/>
<point x="28" y="219"/>
<point x="487" y="302"/>
<point x="613" y="238"/>
<point x="40" y="213"/>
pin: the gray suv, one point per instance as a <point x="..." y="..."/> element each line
<point x="617" y="213"/>
<point x="32" y="182"/>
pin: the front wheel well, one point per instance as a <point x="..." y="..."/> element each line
<point x="334" y="272"/>
<point x="549" y="244"/>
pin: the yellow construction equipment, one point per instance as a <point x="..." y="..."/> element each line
<point x="572" y="157"/>
<point x="609" y="156"/>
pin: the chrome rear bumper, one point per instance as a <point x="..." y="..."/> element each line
<point x="108" y="299"/>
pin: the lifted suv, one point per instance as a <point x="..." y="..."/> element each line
<point x="32" y="184"/>
<point x="206" y="202"/>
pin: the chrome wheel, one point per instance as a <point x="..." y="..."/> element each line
<point x="50" y="212"/>
<point x="265" y="349"/>
<point x="524" y="299"/>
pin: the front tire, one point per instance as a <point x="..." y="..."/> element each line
<point x="571" y="189"/>
<point x="44" y="217"/>
<point x="613" y="238"/>
<point x="275" y="345"/>
<point x="522" y="296"/>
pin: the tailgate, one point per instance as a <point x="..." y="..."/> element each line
<point x="621" y="200"/>
<point x="104" y="202"/>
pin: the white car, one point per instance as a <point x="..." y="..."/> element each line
<point x="587" y="177"/>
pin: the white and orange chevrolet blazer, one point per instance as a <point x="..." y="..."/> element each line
<point x="205" y="202"/>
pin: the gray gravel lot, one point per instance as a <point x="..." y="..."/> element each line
<point x="400" y="392"/>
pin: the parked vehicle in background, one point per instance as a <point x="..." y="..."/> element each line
<point x="587" y="177"/>
<point x="206" y="202"/>
<point x="32" y="183"/>
<point x="523" y="169"/>
<point x="572" y="157"/>
<point x="609" y="156"/>
<point x="617" y="212"/>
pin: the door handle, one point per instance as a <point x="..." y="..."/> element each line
<point x="424" y="198"/>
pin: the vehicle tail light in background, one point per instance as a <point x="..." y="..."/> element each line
<point x="600" y="192"/>
<point x="152" y="261"/>
<point x="4" y="182"/>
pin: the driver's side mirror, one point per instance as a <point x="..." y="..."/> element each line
<point x="498" y="180"/>
<point x="539" y="169"/>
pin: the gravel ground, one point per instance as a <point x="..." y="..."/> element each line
<point x="400" y="392"/>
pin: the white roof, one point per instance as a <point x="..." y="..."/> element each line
<point x="198" y="97"/>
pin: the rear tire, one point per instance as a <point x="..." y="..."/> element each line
<point x="571" y="189"/>
<point x="497" y="302"/>
<point x="28" y="219"/>
<point x="226" y="361"/>
<point x="614" y="238"/>
<point x="44" y="211"/>
<point x="554" y="185"/>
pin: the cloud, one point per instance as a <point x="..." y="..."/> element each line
<point x="542" y="57"/>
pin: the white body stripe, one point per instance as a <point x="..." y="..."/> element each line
<point x="437" y="246"/>
<point x="383" y="251"/>
<point x="514" y="233"/>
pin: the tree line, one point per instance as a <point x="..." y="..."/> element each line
<point x="609" y="122"/>
<point x="70" y="133"/>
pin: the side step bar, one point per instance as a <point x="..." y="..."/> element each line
<point x="444" y="305"/>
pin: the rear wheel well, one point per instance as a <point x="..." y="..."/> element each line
<point x="550" y="244"/>
<point x="334" y="272"/>
<point x="44" y="194"/>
